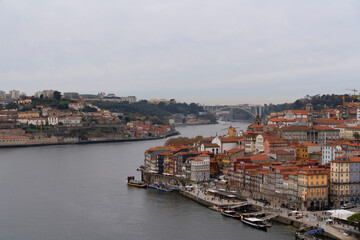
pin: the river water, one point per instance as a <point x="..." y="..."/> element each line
<point x="78" y="192"/>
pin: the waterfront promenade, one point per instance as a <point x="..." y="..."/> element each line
<point x="310" y="219"/>
<point x="203" y="197"/>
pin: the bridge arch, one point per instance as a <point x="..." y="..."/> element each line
<point x="240" y="108"/>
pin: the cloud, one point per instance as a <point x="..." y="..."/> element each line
<point x="235" y="50"/>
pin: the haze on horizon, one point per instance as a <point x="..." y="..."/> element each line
<point x="205" y="51"/>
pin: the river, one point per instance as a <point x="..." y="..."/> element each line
<point x="77" y="192"/>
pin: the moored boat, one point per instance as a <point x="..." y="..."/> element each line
<point x="135" y="183"/>
<point x="256" y="223"/>
<point x="230" y="213"/>
<point x="215" y="208"/>
<point x="161" y="187"/>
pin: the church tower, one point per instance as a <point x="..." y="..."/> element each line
<point x="310" y="116"/>
<point x="257" y="120"/>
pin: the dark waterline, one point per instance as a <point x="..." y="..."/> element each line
<point x="79" y="192"/>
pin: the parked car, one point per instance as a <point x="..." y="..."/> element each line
<point x="348" y="205"/>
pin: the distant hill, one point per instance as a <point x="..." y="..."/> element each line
<point x="319" y="102"/>
<point x="161" y="109"/>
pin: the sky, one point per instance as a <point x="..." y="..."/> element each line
<point x="204" y="51"/>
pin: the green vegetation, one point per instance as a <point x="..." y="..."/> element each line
<point x="148" y="109"/>
<point x="354" y="219"/>
<point x="57" y="95"/>
<point x="89" y="109"/>
<point x="161" y="110"/>
<point x="51" y="102"/>
<point x="11" y="105"/>
<point x="183" y="141"/>
<point x="36" y="129"/>
<point x="319" y="102"/>
<point x="85" y="133"/>
<point x="356" y="135"/>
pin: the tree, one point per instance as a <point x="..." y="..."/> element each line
<point x="89" y="109"/>
<point x="356" y="135"/>
<point x="57" y="95"/>
<point x="354" y="219"/>
<point x="11" y="105"/>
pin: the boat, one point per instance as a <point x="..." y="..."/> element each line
<point x="215" y="208"/>
<point x="230" y="213"/>
<point x="160" y="187"/>
<point x="256" y="223"/>
<point x="135" y="183"/>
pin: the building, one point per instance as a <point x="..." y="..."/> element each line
<point x="315" y="134"/>
<point x="200" y="169"/>
<point x="71" y="95"/>
<point x="330" y="151"/>
<point x="313" y="188"/>
<point x="76" y="106"/>
<point x="275" y="144"/>
<point x="226" y="143"/>
<point x="14" y="94"/>
<point x="130" y="99"/>
<point x="344" y="180"/>
<point x="12" y="140"/>
<point x="44" y="93"/>
<point x="29" y="114"/>
<point x="351" y="148"/>
<point x="70" y="121"/>
<point x="350" y="131"/>
<point x="2" y="94"/>
<point x="210" y="147"/>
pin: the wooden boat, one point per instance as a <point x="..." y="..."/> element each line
<point x="256" y="223"/>
<point x="230" y="213"/>
<point x="135" y="183"/>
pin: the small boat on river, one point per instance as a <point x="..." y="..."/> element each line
<point x="161" y="187"/>
<point x="135" y="183"/>
<point x="230" y="213"/>
<point x="256" y="223"/>
<point x="215" y="208"/>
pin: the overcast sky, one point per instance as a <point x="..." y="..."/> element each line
<point x="205" y="51"/>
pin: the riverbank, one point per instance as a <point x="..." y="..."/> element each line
<point x="57" y="141"/>
<point x="281" y="216"/>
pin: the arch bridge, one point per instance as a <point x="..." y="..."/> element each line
<point x="220" y="111"/>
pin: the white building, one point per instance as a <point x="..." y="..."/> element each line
<point x="226" y="143"/>
<point x="210" y="147"/>
<point x="76" y="106"/>
<point x="358" y="114"/>
<point x="200" y="169"/>
<point x="70" y="121"/>
<point x="53" y="120"/>
<point x="44" y="93"/>
<point x="330" y="152"/>
<point x="259" y="143"/>
<point x="293" y="114"/>
<point x="14" y="94"/>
